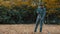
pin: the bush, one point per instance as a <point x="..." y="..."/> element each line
<point x="23" y="14"/>
<point x="52" y="19"/>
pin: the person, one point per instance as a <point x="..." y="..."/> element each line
<point x="41" y="11"/>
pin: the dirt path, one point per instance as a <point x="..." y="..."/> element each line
<point x="28" y="29"/>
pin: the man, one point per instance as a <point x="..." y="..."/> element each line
<point x="41" y="11"/>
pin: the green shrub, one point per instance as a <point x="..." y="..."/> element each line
<point x="25" y="15"/>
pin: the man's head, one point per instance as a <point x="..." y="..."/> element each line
<point x="41" y="5"/>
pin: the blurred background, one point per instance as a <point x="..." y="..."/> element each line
<point x="24" y="11"/>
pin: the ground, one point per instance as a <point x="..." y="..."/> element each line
<point x="28" y="29"/>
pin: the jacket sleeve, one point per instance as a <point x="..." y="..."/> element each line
<point x="44" y="13"/>
<point x="38" y="9"/>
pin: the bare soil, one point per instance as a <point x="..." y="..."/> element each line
<point x="28" y="29"/>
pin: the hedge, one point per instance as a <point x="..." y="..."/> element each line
<point x="24" y="15"/>
<point x="17" y="15"/>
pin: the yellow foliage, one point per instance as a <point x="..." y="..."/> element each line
<point x="6" y="3"/>
<point x="52" y="4"/>
<point x="49" y="3"/>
